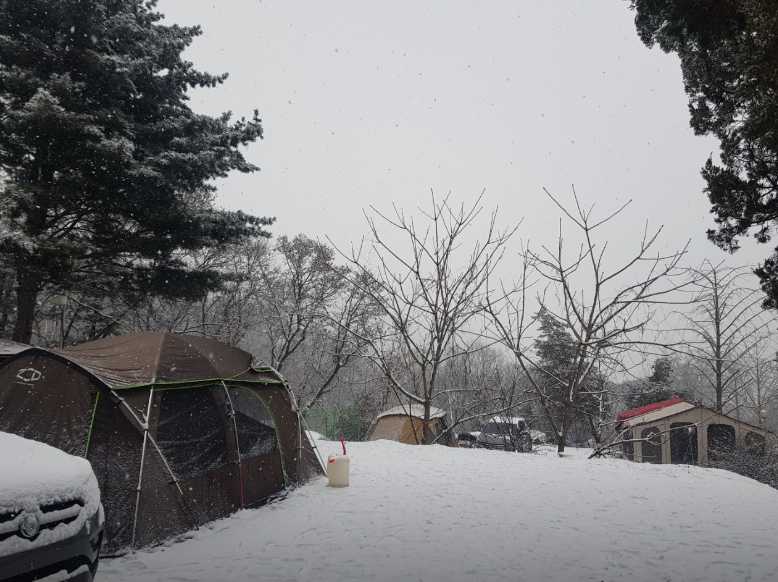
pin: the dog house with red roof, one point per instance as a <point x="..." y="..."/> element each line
<point x="676" y="431"/>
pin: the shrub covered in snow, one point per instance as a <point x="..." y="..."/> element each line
<point x="758" y="464"/>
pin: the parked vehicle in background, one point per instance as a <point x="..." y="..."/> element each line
<point x="466" y="440"/>
<point x="505" y="433"/>
<point x="51" y="519"/>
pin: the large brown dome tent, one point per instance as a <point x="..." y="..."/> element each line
<point x="180" y="430"/>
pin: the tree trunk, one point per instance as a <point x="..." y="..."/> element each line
<point x="593" y="428"/>
<point x="719" y="386"/>
<point x="6" y="290"/>
<point x="427" y="434"/>
<point x="561" y="436"/>
<point x="27" y="290"/>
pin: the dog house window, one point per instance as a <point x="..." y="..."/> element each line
<point x="683" y="443"/>
<point x="627" y="446"/>
<point x="255" y="425"/>
<point x="652" y="445"/>
<point x="755" y="443"/>
<point x="191" y="432"/>
<point x="721" y="440"/>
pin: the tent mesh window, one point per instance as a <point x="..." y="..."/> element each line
<point x="191" y="432"/>
<point x="256" y="428"/>
<point x="115" y="453"/>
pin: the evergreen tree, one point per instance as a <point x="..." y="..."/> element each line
<point x="655" y="388"/>
<point x="556" y="350"/>
<point x="107" y="171"/>
<point x="661" y="371"/>
<point x="729" y="57"/>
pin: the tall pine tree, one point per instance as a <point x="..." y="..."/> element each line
<point x="729" y="59"/>
<point x="105" y="171"/>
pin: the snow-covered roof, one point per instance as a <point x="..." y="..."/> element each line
<point x="9" y="348"/>
<point x="658" y="414"/>
<point x="640" y="410"/>
<point x="415" y="410"/>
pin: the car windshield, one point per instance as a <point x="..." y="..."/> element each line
<point x="504" y="428"/>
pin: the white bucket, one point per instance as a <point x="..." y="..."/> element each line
<point x="337" y="470"/>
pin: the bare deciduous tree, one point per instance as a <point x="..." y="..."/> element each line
<point x="304" y="312"/>
<point x="334" y="342"/>
<point x="483" y="383"/>
<point x="605" y="311"/>
<point x="289" y="303"/>
<point x="296" y="284"/>
<point x="427" y="293"/>
<point x="723" y="329"/>
<point x="761" y="372"/>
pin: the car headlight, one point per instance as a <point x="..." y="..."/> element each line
<point x="94" y="523"/>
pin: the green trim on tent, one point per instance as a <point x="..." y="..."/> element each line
<point x="174" y="385"/>
<point x="91" y="425"/>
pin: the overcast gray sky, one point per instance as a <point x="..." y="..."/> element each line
<point x="378" y="102"/>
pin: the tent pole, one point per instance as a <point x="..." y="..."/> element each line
<point x="152" y="441"/>
<point x="295" y="409"/>
<point x="237" y="444"/>
<point x="177" y="483"/>
<point x="302" y="425"/>
<point x="142" y="463"/>
<point x="162" y="457"/>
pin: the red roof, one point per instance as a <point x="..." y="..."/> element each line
<point x="632" y="412"/>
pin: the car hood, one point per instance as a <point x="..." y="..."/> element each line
<point x="34" y="472"/>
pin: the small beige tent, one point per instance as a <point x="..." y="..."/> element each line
<point x="405" y="424"/>
<point x="676" y="431"/>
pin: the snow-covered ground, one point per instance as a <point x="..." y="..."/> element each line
<point x="437" y="513"/>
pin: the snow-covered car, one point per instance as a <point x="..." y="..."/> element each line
<point x="505" y="433"/>
<point x="51" y="519"/>
<point x="466" y="439"/>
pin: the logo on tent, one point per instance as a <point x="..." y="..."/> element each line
<point x="29" y="375"/>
